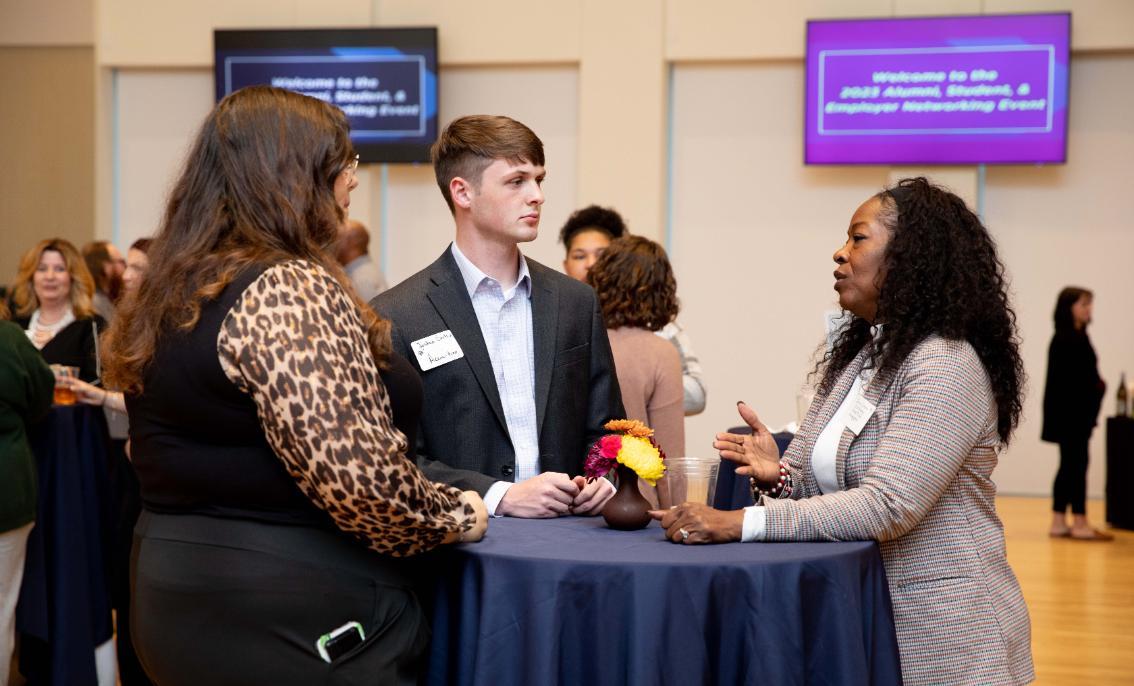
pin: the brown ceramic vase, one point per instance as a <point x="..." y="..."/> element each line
<point x="627" y="510"/>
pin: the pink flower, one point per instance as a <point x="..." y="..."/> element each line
<point x="602" y="457"/>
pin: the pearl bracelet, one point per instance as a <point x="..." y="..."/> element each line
<point x="782" y="489"/>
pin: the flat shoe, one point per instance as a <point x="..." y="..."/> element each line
<point x="1095" y="535"/>
<point x="1060" y="534"/>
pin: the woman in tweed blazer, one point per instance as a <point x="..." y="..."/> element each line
<point x="917" y="395"/>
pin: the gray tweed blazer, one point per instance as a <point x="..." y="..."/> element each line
<point x="917" y="479"/>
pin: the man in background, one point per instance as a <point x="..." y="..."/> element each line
<point x="354" y="256"/>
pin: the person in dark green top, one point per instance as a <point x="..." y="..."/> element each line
<point x="26" y="390"/>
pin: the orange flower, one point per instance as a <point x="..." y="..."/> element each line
<point x="630" y="427"/>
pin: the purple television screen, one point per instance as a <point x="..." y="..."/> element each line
<point x="942" y="90"/>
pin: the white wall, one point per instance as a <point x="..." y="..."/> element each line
<point x="159" y="111"/>
<point x="754" y="231"/>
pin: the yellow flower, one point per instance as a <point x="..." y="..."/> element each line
<point x="641" y="456"/>
<point x="631" y="427"/>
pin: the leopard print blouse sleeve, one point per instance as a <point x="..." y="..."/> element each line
<point x="295" y="343"/>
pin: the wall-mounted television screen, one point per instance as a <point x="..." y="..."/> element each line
<point x="938" y="90"/>
<point x="385" y="79"/>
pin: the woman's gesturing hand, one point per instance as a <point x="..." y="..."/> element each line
<point x="757" y="454"/>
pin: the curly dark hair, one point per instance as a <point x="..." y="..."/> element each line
<point x="942" y="276"/>
<point x="634" y="284"/>
<point x="592" y="218"/>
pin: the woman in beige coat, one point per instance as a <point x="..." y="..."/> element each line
<point x="916" y="397"/>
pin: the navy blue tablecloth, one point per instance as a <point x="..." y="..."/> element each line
<point x="64" y="607"/>
<point x="570" y="601"/>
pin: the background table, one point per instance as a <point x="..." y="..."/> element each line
<point x="569" y="601"/>
<point x="1119" y="472"/>
<point x="64" y="607"/>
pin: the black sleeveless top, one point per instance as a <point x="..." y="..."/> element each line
<point x="196" y="440"/>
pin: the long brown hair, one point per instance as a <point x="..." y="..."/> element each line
<point x="634" y="284"/>
<point x="257" y="188"/>
<point x="82" y="284"/>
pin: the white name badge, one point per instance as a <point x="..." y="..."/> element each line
<point x="436" y="350"/>
<point x="859" y="414"/>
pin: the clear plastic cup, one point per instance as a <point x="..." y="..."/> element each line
<point x="688" y="479"/>
<point x="64" y="395"/>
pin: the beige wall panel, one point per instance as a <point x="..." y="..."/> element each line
<point x="930" y="8"/>
<point x="543" y="98"/>
<point x="159" y="112"/>
<point x="1071" y="225"/>
<point x="46" y="22"/>
<point x="754" y="232"/>
<point x="491" y="31"/>
<point x="1095" y="24"/>
<point x="769" y="29"/>
<point x="622" y="112"/>
<point x="142" y="33"/>
<point x="752" y="29"/>
<point x="47" y="143"/>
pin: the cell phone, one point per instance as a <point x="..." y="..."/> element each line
<point x="333" y="645"/>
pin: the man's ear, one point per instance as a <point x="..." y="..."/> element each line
<point x="461" y="191"/>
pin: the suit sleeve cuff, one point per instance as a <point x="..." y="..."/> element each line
<point x="755" y="520"/>
<point x="494" y="495"/>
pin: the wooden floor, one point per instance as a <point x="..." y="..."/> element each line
<point x="1080" y="596"/>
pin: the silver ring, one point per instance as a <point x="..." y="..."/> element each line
<point x="684" y="534"/>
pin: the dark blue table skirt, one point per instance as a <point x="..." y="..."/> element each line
<point x="64" y="607"/>
<point x="569" y="601"/>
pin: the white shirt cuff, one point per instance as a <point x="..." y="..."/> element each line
<point x="494" y="495"/>
<point x="755" y="521"/>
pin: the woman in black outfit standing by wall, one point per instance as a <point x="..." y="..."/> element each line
<point x="1071" y="400"/>
<point x="269" y="421"/>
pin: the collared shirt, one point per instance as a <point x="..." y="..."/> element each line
<point x="505" y="318"/>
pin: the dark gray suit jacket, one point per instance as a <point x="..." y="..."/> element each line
<point x="463" y="438"/>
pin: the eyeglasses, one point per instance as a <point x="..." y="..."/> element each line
<point x="352" y="166"/>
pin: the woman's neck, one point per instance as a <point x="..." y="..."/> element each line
<point x="50" y="313"/>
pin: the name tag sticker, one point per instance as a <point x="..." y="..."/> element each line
<point x="436" y="350"/>
<point x="859" y="414"/>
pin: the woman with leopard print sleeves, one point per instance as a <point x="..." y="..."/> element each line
<point x="268" y="422"/>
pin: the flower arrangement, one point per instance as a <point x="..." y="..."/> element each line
<point x="631" y="443"/>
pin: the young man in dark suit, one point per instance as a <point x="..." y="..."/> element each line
<point x="514" y="359"/>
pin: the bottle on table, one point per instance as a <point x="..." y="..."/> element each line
<point x="1123" y="405"/>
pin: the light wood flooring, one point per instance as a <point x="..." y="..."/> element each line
<point x="1080" y="595"/>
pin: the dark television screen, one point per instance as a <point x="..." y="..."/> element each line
<point x="385" y="79"/>
<point x="938" y="90"/>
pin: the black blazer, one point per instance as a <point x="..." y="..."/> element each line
<point x="1073" y="392"/>
<point x="76" y="345"/>
<point x="463" y="438"/>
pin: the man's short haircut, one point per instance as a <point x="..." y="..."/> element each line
<point x="469" y="144"/>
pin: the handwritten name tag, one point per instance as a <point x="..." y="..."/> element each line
<point x="859" y="414"/>
<point x="436" y="350"/>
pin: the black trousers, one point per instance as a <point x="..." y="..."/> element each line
<point x="1071" y="480"/>
<point x="233" y="602"/>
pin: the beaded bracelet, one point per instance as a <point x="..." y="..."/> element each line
<point x="782" y="489"/>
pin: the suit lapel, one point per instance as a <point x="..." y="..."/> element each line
<point x="451" y="300"/>
<point x="545" y="322"/>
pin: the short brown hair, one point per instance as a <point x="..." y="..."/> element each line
<point x="82" y="285"/>
<point x="469" y="144"/>
<point x="635" y="285"/>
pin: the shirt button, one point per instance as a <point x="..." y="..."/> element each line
<point x="507" y="470"/>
